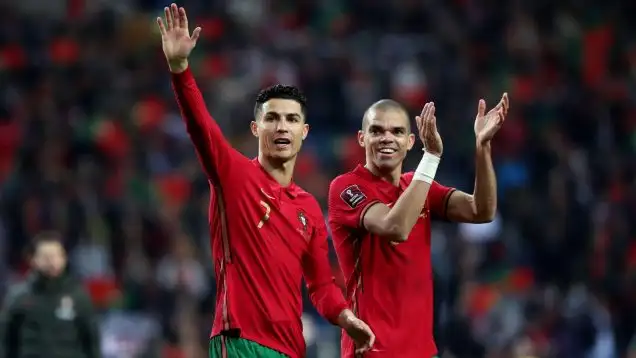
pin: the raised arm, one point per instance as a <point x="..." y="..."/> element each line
<point x="214" y="151"/>
<point x="326" y="296"/>
<point x="481" y="206"/>
<point x="393" y="223"/>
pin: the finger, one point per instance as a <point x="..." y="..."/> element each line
<point x="418" y="123"/>
<point x="371" y="340"/>
<point x="431" y="121"/>
<point x="433" y="125"/>
<point x="481" y="108"/>
<point x="506" y="102"/>
<point x="501" y="116"/>
<point x="183" y="18"/>
<point x="426" y="122"/>
<point x="168" y="15"/>
<point x="363" y="348"/>
<point x="175" y="15"/>
<point x="162" y="28"/>
<point x="195" y="35"/>
<point x="425" y="109"/>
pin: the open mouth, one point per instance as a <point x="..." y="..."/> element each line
<point x="387" y="151"/>
<point x="282" y="142"/>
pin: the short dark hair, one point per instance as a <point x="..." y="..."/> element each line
<point x="384" y="105"/>
<point x="45" y="237"/>
<point x="280" y="92"/>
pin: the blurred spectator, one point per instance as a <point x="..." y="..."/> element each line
<point x="48" y="315"/>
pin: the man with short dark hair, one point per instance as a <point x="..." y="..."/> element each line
<point x="50" y="314"/>
<point x="267" y="234"/>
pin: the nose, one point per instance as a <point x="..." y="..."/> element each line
<point x="281" y="126"/>
<point x="386" y="137"/>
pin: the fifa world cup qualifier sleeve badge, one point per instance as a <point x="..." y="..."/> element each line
<point x="353" y="196"/>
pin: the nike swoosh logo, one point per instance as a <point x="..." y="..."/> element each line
<point x="267" y="195"/>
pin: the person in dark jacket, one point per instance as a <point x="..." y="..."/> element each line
<point x="49" y="315"/>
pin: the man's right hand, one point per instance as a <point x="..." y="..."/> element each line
<point x="176" y="40"/>
<point x="427" y="128"/>
<point x="359" y="331"/>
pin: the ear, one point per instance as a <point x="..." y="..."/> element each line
<point x="254" y="128"/>
<point x="361" y="138"/>
<point x="305" y="130"/>
<point x="411" y="141"/>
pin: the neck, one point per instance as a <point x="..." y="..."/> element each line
<point x="392" y="176"/>
<point x="281" y="170"/>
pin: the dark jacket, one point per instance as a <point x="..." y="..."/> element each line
<point x="51" y="318"/>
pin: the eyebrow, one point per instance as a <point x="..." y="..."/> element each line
<point x="284" y="114"/>
<point x="376" y="126"/>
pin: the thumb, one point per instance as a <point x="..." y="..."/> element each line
<point x="195" y="35"/>
<point x="481" y="108"/>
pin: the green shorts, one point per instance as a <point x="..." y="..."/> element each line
<point x="234" y="347"/>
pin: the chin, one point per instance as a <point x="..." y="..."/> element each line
<point x="282" y="156"/>
<point x="387" y="165"/>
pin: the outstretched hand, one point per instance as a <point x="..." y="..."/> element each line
<point x="176" y="40"/>
<point x="487" y="124"/>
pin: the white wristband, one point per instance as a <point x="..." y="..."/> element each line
<point x="427" y="168"/>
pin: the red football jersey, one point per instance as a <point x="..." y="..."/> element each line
<point x="389" y="285"/>
<point x="264" y="239"/>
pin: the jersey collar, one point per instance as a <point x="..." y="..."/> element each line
<point x="292" y="189"/>
<point x="365" y="173"/>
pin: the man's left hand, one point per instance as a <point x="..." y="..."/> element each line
<point x="487" y="124"/>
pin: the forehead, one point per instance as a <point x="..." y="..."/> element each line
<point x="282" y="106"/>
<point x="389" y="118"/>
<point x="49" y="248"/>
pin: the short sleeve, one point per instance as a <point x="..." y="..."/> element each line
<point x="438" y="199"/>
<point x="349" y="199"/>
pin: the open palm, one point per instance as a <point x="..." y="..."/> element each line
<point x="487" y="124"/>
<point x="427" y="128"/>
<point x="176" y="40"/>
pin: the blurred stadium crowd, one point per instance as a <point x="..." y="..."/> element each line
<point x="92" y="145"/>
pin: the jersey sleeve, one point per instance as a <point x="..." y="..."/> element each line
<point x="324" y="294"/>
<point x="438" y="199"/>
<point x="349" y="200"/>
<point x="215" y="153"/>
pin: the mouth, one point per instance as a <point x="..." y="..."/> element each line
<point x="282" y="143"/>
<point x="387" y="151"/>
